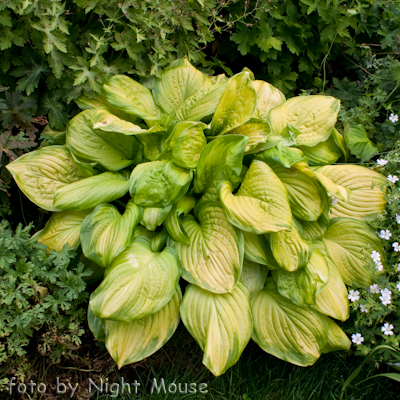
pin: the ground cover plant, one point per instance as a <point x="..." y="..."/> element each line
<point x="227" y="181"/>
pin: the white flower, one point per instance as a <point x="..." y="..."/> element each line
<point x="382" y="161"/>
<point x="387" y="329"/>
<point x="379" y="266"/>
<point x="398" y="286"/>
<point x="334" y="200"/>
<point x="393" y="118"/>
<point x="364" y="308"/>
<point x="385" y="234"/>
<point x="354" y="295"/>
<point x="374" y="288"/>
<point x="376" y="256"/>
<point x="396" y="246"/>
<point x="386" y="297"/>
<point x="392" y="179"/>
<point x="357" y="338"/>
<point x="398" y="218"/>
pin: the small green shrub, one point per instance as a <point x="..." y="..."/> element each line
<point x="42" y="299"/>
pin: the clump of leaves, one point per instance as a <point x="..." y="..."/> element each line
<point x="42" y="299"/>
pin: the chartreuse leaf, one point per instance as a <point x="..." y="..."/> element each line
<point x="257" y="250"/>
<point x="323" y="153"/>
<point x="307" y="196"/>
<point x="154" y="217"/>
<point x="139" y="282"/>
<point x="268" y="97"/>
<point x="261" y="204"/>
<point x="92" y="191"/>
<point x="287" y="156"/>
<point x="303" y="286"/>
<point x="257" y="130"/>
<point x="142" y="231"/>
<point x="254" y="276"/>
<point x="62" y="228"/>
<point x="173" y="223"/>
<point x="221" y="324"/>
<point x="201" y="104"/>
<point x="289" y="249"/>
<point x="359" y="144"/>
<point x="86" y="103"/>
<point x="313" y="230"/>
<point x="96" y="325"/>
<point x="158" y="242"/>
<point x="314" y="117"/>
<point x="285" y="330"/>
<point x="112" y="150"/>
<point x="341" y="143"/>
<point x="178" y="82"/>
<point x="236" y="106"/>
<point x="220" y="161"/>
<point x="349" y="243"/>
<point x="107" y="122"/>
<point x="337" y="339"/>
<point x="131" y="342"/>
<point x="332" y="300"/>
<point x="159" y="183"/>
<point x="185" y="144"/>
<point x="213" y="259"/>
<point x="131" y="97"/>
<point x="105" y="232"/>
<point x="334" y="190"/>
<point x="41" y="172"/>
<point x="366" y="188"/>
<point x="152" y="145"/>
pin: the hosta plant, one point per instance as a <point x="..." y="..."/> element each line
<point x="225" y="184"/>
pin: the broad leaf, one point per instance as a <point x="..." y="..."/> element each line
<point x="62" y="228"/>
<point x="153" y="217"/>
<point x="359" y="144"/>
<point x="96" y="325"/>
<point x="337" y="339"/>
<point x="254" y="276"/>
<point x="268" y="97"/>
<point x="287" y="156"/>
<point x="213" y="259"/>
<point x="221" y="324"/>
<point x="257" y="250"/>
<point x="105" y="232"/>
<point x="289" y="332"/>
<point x="322" y="153"/>
<point x="139" y="282"/>
<point x="92" y="191"/>
<point x="40" y="173"/>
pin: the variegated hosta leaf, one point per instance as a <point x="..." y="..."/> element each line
<point x="289" y="332"/>
<point x="287" y="156"/>
<point x="131" y="97"/>
<point x="112" y="150"/>
<point x="307" y="196"/>
<point x="254" y="276"/>
<point x="152" y="144"/>
<point x="341" y="143"/>
<point x="142" y="231"/>
<point x="257" y="250"/>
<point x="185" y="144"/>
<point x="92" y="191"/>
<point x="178" y="82"/>
<point x="201" y="104"/>
<point x="41" y="172"/>
<point x="257" y="130"/>
<point x="159" y="183"/>
<point x="236" y="106"/>
<point x="334" y="190"/>
<point x="139" y="282"/>
<point x="213" y="259"/>
<point x="105" y="232"/>
<point x="62" y="228"/>
<point x="221" y="324"/>
<point x="107" y="122"/>
<point x="349" y="243"/>
<point x="157" y="243"/>
<point x="313" y="116"/>
<point x="313" y="230"/>
<point x="366" y="188"/>
<point x="322" y="153"/>
<point x="154" y="217"/>
<point x="173" y="223"/>
<point x="131" y="342"/>
<point x="220" y="161"/>
<point x="332" y="300"/>
<point x="268" y="97"/>
<point x="289" y="249"/>
<point x="261" y="204"/>
<point x="96" y="325"/>
<point x="337" y="339"/>
<point x="303" y="286"/>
